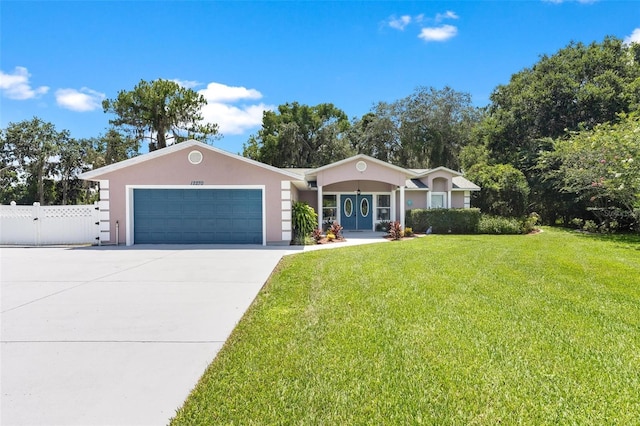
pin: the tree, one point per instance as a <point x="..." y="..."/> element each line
<point x="504" y="191"/>
<point x="72" y="154"/>
<point x="577" y="88"/>
<point x="426" y="129"/>
<point x="10" y="188"/>
<point x="117" y="147"/>
<point x="376" y="136"/>
<point x="300" y="136"/>
<point x="160" y="110"/>
<point x="600" y="170"/>
<point x="30" y="145"/>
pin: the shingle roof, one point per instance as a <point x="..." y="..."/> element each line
<point x="461" y="183"/>
<point x="415" y="184"/>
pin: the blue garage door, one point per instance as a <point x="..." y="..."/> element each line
<point x="197" y="216"/>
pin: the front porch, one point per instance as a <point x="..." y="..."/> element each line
<point x="362" y="192"/>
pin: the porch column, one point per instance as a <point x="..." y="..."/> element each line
<point x="320" y="218"/>
<point x="402" y="206"/>
<point x="393" y="207"/>
<point x="449" y="199"/>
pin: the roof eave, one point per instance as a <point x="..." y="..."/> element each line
<point x="314" y="172"/>
<point x="96" y="174"/>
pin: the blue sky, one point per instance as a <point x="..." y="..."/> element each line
<point x="58" y="60"/>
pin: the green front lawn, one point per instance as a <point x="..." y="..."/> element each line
<point x="445" y="329"/>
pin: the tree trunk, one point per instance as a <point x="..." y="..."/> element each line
<point x="162" y="139"/>
<point x="65" y="190"/>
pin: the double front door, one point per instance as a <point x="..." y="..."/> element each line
<point x="356" y="212"/>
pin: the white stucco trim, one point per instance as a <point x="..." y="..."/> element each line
<point x="403" y="208"/>
<point x="129" y="203"/>
<point x="393" y="216"/>
<point x="104" y="212"/>
<point x="285" y="195"/>
<point x="320" y="210"/>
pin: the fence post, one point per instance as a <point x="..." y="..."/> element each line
<point x="35" y="213"/>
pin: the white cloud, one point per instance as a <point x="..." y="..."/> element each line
<point x="232" y="119"/>
<point x="187" y="84"/>
<point x="442" y="33"/>
<point x="81" y="100"/>
<point x="447" y="15"/>
<point x="216" y="92"/>
<point x="634" y="37"/>
<point x="401" y="22"/>
<point x="16" y="85"/>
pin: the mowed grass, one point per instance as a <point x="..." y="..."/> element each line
<point x="537" y="329"/>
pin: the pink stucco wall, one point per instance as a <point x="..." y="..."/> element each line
<point x="457" y="199"/>
<point x="348" y="172"/>
<point x="440" y="174"/>
<point x="215" y="169"/>
<point x="309" y="197"/>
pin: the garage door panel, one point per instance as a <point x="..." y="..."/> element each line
<point x="223" y="210"/>
<point x="188" y="216"/>
<point x="224" y="222"/>
<point x="254" y="224"/>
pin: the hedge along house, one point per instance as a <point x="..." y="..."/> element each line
<point x="193" y="193"/>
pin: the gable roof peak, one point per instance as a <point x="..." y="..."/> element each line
<point x="438" y="169"/>
<point x="191" y="143"/>
<point x="312" y="172"/>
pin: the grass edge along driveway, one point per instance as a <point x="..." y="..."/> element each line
<point x="536" y="329"/>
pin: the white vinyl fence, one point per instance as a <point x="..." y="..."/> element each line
<point x="42" y="225"/>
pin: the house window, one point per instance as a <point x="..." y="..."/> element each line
<point x="329" y="208"/>
<point x="383" y="207"/>
<point x="438" y="200"/>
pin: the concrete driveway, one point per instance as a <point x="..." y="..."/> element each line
<point x="117" y="336"/>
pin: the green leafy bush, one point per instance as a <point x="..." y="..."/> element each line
<point x="499" y="225"/>
<point x="576" y="222"/>
<point x="590" y="226"/>
<point x="505" y="191"/>
<point x="530" y="223"/>
<point x="304" y="220"/>
<point x="444" y="221"/>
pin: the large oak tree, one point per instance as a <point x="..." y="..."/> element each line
<point x="300" y="136"/>
<point x="576" y="88"/>
<point x="423" y="130"/>
<point x="29" y="146"/>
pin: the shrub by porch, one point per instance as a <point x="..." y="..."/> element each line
<point x="444" y="221"/>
